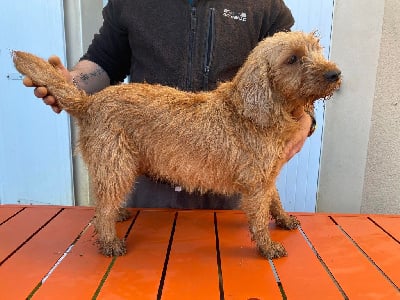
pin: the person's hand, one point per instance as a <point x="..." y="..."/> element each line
<point x="42" y="92"/>
<point x="296" y="143"/>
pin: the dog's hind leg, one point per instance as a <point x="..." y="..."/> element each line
<point x="282" y="218"/>
<point x="112" y="173"/>
<point x="256" y="206"/>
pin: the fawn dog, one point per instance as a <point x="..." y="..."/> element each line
<point x="229" y="140"/>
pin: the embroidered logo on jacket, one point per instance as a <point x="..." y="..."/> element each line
<point x="234" y="15"/>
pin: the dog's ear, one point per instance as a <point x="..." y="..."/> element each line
<point x="256" y="95"/>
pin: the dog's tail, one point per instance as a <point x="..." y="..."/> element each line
<point x="42" y="73"/>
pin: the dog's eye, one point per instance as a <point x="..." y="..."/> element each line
<point x="292" y="59"/>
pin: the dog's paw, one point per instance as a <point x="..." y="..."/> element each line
<point x="123" y="214"/>
<point x="289" y="222"/>
<point x="116" y="247"/>
<point x="275" y="250"/>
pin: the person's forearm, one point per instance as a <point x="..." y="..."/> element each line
<point x="89" y="76"/>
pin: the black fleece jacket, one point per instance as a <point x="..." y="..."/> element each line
<point x="189" y="47"/>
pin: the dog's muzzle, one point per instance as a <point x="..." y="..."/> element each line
<point x="333" y="75"/>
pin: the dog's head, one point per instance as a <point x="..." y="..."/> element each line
<point x="286" y="70"/>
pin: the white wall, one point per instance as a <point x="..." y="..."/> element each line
<point x="381" y="192"/>
<point x="360" y="140"/>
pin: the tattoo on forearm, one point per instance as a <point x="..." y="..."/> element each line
<point x="85" y="77"/>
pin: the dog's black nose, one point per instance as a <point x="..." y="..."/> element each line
<point x="332" y="75"/>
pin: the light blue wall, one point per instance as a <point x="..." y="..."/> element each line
<point x="35" y="151"/>
<point x="298" y="181"/>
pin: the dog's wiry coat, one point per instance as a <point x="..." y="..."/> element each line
<point x="230" y="140"/>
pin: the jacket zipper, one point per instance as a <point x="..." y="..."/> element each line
<point x="209" y="48"/>
<point x="193" y="24"/>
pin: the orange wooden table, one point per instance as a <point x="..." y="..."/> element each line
<point x="49" y="253"/>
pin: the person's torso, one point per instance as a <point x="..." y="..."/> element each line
<point x="191" y="47"/>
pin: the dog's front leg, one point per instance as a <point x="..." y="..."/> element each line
<point x="257" y="208"/>
<point x="282" y="218"/>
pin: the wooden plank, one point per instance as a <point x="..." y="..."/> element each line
<point x="81" y="271"/>
<point x="391" y="224"/>
<point x="192" y="271"/>
<point x="8" y="211"/>
<point x="24" y="270"/>
<point x="301" y="273"/>
<point x="352" y="270"/>
<point x="18" y="229"/>
<point x="192" y="268"/>
<point x="137" y="275"/>
<point x="246" y="275"/>
<point x="380" y="247"/>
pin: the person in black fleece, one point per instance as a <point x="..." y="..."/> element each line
<point x="187" y="44"/>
